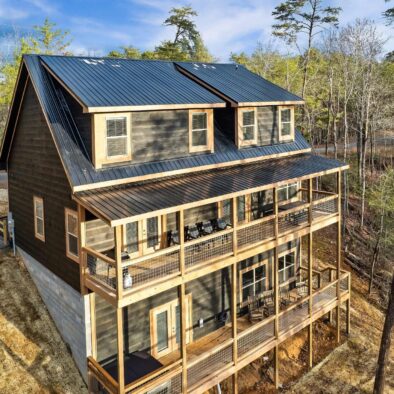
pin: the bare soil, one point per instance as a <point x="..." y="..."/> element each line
<point x="33" y="357"/>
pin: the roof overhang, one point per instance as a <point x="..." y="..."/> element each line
<point x="119" y="205"/>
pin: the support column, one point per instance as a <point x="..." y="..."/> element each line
<point x="234" y="297"/>
<point x="82" y="243"/>
<point x="92" y="302"/>
<point x="348" y="316"/>
<point x="339" y="250"/>
<point x="276" y="327"/>
<point x="118" y="259"/>
<point x="120" y="344"/>
<point x="310" y="274"/>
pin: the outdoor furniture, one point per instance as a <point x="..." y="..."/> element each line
<point x="192" y="232"/>
<point x="206" y="227"/>
<point x="268" y="302"/>
<point x="255" y="309"/>
<point x="220" y="224"/>
<point x="302" y="289"/>
<point x="286" y="297"/>
<point x="173" y="237"/>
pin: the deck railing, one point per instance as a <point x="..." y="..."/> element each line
<point x="97" y="372"/>
<point x="163" y="264"/>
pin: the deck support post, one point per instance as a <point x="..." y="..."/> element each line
<point x="331" y="278"/>
<point x="82" y="243"/>
<point x="339" y="250"/>
<point x="348" y="316"/>
<point x="182" y="297"/>
<point x="276" y="366"/>
<point x="310" y="274"/>
<point x="235" y="382"/>
<point x="93" y="324"/>
<point x="120" y="344"/>
<point x="234" y="294"/>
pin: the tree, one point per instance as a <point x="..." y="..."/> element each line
<point x="128" y="52"/>
<point x="381" y="200"/>
<point x="306" y="17"/>
<point x="389" y="14"/>
<point x="45" y="40"/>
<point x="385" y="344"/>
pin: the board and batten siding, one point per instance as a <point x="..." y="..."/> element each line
<point x="159" y="135"/>
<point x="35" y="169"/>
<point x="267" y="125"/>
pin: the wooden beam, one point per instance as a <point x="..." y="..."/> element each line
<point x="182" y="296"/>
<point x="181" y="216"/>
<point x="276" y="209"/>
<point x="339" y="251"/>
<point x="348" y="316"/>
<point x="276" y="366"/>
<point x="234" y="274"/>
<point x="93" y="324"/>
<point x="310" y="345"/>
<point x="118" y="259"/>
<point x="120" y="345"/>
<point x="83" y="263"/>
<point x="235" y="382"/>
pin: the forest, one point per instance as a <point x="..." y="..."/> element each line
<point x="347" y="82"/>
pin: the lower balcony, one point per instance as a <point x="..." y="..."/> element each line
<point x="217" y="355"/>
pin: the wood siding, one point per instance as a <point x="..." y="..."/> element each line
<point x="267" y="125"/>
<point x="35" y="169"/>
<point x="159" y="135"/>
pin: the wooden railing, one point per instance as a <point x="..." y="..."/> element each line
<point x="96" y="371"/>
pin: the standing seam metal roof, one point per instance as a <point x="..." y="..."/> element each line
<point x="238" y="83"/>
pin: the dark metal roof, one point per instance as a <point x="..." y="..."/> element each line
<point x="128" y="201"/>
<point x="81" y="171"/>
<point x="238" y="83"/>
<point x="109" y="82"/>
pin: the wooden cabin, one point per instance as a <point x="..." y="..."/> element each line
<point x="166" y="213"/>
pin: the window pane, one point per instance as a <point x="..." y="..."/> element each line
<point x="293" y="190"/>
<point x="116" y="127"/>
<point x="241" y="208"/>
<point x="152" y="225"/>
<point x="132" y="237"/>
<point x="162" y="331"/>
<point x="246" y="292"/>
<point x="72" y="226"/>
<point x="177" y="324"/>
<point x="260" y="287"/>
<point x="260" y="272"/>
<point x="248" y="118"/>
<point x="247" y="278"/>
<point x="199" y="121"/>
<point x="281" y="263"/>
<point x="285" y="115"/>
<point x="199" y="138"/>
<point x="40" y="226"/>
<point x="290" y="259"/>
<point x="73" y="244"/>
<point x="248" y="133"/>
<point x="116" y="146"/>
<point x="282" y="194"/>
<point x="286" y="128"/>
<point x="39" y="209"/>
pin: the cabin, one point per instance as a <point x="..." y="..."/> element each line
<point x="166" y="212"/>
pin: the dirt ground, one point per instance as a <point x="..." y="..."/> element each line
<point x="33" y="357"/>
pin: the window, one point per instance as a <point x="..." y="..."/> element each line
<point x="131" y="240"/>
<point x="247" y="132"/>
<point x="261" y="204"/>
<point x="287" y="192"/>
<point x="253" y="281"/>
<point x="39" y="222"/>
<point x="117" y="140"/>
<point x="241" y="208"/>
<point x="286" y="267"/>
<point x="286" y="122"/>
<point x="72" y="239"/>
<point x="200" y="131"/>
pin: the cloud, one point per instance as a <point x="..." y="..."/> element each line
<point x="43" y="6"/>
<point x="10" y="12"/>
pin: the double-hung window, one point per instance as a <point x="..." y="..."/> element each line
<point x="286" y="123"/>
<point x="286" y="267"/>
<point x="200" y="138"/>
<point x="287" y="192"/>
<point x="39" y="221"/>
<point x="248" y="126"/>
<point x="72" y="239"/>
<point x="117" y="140"/>
<point x="253" y="281"/>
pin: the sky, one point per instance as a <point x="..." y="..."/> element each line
<point x="226" y="26"/>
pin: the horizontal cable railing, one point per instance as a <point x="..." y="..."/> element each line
<point x="218" y="358"/>
<point x="209" y="248"/>
<point x="255" y="232"/>
<point x="260" y="333"/>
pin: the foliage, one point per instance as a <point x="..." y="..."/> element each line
<point x="127" y="52"/>
<point x="389" y="14"/>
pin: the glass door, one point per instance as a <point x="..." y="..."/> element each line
<point x="151" y="234"/>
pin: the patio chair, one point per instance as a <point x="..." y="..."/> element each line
<point x="220" y="224"/>
<point x="192" y="232"/>
<point x="286" y="298"/>
<point x="206" y="227"/>
<point x="268" y="302"/>
<point x="255" y="309"/>
<point x="302" y="289"/>
<point x="173" y="237"/>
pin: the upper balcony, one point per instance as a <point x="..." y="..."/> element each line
<point x="144" y="257"/>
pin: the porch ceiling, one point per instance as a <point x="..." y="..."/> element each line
<point x="125" y="203"/>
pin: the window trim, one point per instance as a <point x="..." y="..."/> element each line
<point x="209" y="146"/>
<point x="250" y="268"/>
<point x="70" y="212"/>
<point x="99" y="139"/>
<point x="292" y="199"/>
<point x="36" y="200"/>
<point x="126" y="137"/>
<point x="283" y="138"/>
<point x="239" y="126"/>
<point x="285" y="253"/>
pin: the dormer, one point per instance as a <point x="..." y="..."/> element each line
<point x="262" y="113"/>
<point x="139" y="111"/>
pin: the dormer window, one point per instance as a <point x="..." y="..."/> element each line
<point x="116" y="137"/>
<point x="200" y="130"/>
<point x="247" y="126"/>
<point x="286" y="123"/>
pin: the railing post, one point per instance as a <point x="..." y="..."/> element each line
<point x="276" y="325"/>
<point x="310" y="304"/>
<point x="234" y="294"/>
<point x="310" y="200"/>
<point x="118" y="260"/>
<point x="120" y="344"/>
<point x="82" y="243"/>
<point x="339" y="250"/>
<point x="276" y="219"/>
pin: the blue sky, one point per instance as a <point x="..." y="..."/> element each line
<point x="226" y="25"/>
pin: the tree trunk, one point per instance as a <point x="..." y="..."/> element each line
<point x="385" y="344"/>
